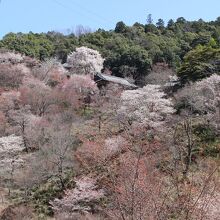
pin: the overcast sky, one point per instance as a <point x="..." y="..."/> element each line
<point x="59" y="15"/>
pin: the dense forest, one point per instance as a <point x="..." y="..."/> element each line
<point x="75" y="148"/>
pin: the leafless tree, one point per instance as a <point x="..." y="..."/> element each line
<point x="37" y="95"/>
<point x="10" y="76"/>
<point x="50" y="71"/>
<point x="82" y="30"/>
<point x="21" y="119"/>
<point x="55" y="156"/>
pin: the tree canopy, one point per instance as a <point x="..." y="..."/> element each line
<point x="192" y="47"/>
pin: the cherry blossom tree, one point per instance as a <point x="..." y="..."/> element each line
<point x="3" y="123"/>
<point x="100" y="151"/>
<point x="30" y="127"/>
<point x="51" y="72"/>
<point x="10" y="148"/>
<point x="79" y="89"/>
<point x="35" y="131"/>
<point x="146" y="106"/>
<point x="85" y="61"/>
<point x="198" y="105"/>
<point x="207" y="98"/>
<point x="10" y="57"/>
<point x="10" y="145"/>
<point x="202" y="96"/>
<point x="9" y="101"/>
<point x="21" y="119"/>
<point x="11" y="76"/>
<point x="80" y="198"/>
<point x="38" y="95"/>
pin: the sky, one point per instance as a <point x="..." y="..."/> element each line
<point x="60" y="15"/>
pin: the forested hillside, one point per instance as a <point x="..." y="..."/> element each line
<point x="140" y="140"/>
<point x="132" y="50"/>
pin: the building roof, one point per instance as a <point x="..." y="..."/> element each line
<point x="67" y="66"/>
<point x="115" y="79"/>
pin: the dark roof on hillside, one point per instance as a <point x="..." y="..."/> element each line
<point x="115" y="79"/>
<point x="67" y="66"/>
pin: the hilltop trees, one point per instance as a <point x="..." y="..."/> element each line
<point x="170" y="23"/>
<point x="199" y="63"/>
<point x="132" y="62"/>
<point x="160" y="23"/>
<point x="147" y="43"/>
<point x="33" y="45"/>
<point x="149" y="19"/>
<point x="120" y="27"/>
